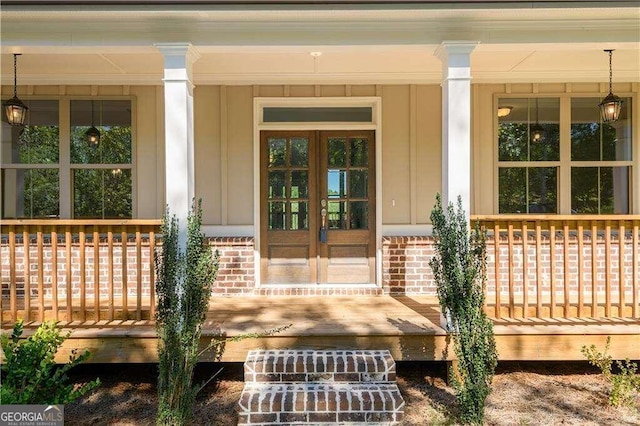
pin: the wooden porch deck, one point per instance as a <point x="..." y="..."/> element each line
<point x="406" y="325"/>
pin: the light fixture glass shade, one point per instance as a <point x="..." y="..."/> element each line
<point x="537" y="133"/>
<point x="503" y="111"/>
<point x="610" y="108"/>
<point x="16" y="111"/>
<point x="92" y="136"/>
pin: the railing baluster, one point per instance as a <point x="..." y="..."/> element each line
<point x="27" y="274"/>
<point x="607" y="263"/>
<point x="552" y="269"/>
<point x="580" y="271"/>
<point x="621" y="280"/>
<point x="152" y="283"/>
<point x="635" y="277"/>
<point x="96" y="273"/>
<point x="538" y="270"/>
<point x="110" y="270"/>
<point x="565" y="241"/>
<point x="525" y="270"/>
<point x="40" y="263"/>
<point x="138" y="274"/>
<point x="594" y="268"/>
<point x="511" y="293"/>
<point x="496" y="248"/>
<point x="68" y="243"/>
<point x="125" y="291"/>
<point x="13" y="284"/>
<point x="54" y="272"/>
<point x="83" y="276"/>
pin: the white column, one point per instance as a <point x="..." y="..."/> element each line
<point x="456" y="121"/>
<point x="178" y="130"/>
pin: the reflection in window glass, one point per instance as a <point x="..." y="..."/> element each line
<point x="102" y="193"/>
<point x="358" y="183"/>
<point x="277" y="187"/>
<point x="299" y="184"/>
<point x="336" y="183"/>
<point x="592" y="140"/>
<point x="299" y="216"/>
<point x="276" y="215"/>
<point x="31" y="192"/>
<point x="358" y="215"/>
<point x="299" y="152"/>
<point x="277" y="152"/>
<point x="531" y="130"/>
<point x="36" y="196"/>
<point x="528" y="189"/>
<point x="337" y="215"/>
<point x="337" y="152"/>
<point x="359" y="152"/>
<point x="113" y="121"/>
<point x="600" y="190"/>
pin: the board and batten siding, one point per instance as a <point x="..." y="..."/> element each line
<point x="411" y="147"/>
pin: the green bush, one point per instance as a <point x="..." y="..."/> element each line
<point x="459" y="268"/>
<point x="625" y="384"/>
<point x="183" y="285"/>
<point x="31" y="375"/>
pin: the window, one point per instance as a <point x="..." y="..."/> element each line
<point x="531" y="164"/>
<point x="529" y="154"/>
<point x="39" y="166"/>
<point x="600" y="159"/>
<point x="101" y="174"/>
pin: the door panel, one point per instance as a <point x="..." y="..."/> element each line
<point x="288" y="222"/>
<point x="347" y="189"/>
<point x="310" y="181"/>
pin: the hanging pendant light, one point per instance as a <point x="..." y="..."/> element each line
<point x="537" y="131"/>
<point x="92" y="135"/>
<point x="16" y="111"/>
<point x="611" y="104"/>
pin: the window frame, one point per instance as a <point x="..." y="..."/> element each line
<point x="565" y="163"/>
<point x="65" y="167"/>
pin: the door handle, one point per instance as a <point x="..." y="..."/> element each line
<point x="323" y="226"/>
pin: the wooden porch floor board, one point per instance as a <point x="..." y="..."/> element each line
<point x="406" y="325"/>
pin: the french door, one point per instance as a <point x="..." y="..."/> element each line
<point x="317" y="207"/>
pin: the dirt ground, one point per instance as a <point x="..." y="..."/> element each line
<point x="557" y="393"/>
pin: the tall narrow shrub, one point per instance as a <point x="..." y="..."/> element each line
<point x="459" y="268"/>
<point x="183" y="287"/>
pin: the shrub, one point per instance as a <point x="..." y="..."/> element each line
<point x="459" y="268"/>
<point x="183" y="285"/>
<point x="625" y="384"/>
<point x="31" y="373"/>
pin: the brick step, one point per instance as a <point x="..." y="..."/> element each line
<point x="317" y="403"/>
<point x="288" y="366"/>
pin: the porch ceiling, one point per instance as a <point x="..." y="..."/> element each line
<point x="109" y="46"/>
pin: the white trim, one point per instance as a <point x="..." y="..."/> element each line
<point x="228" y="230"/>
<point x="422" y="230"/>
<point x="375" y="102"/>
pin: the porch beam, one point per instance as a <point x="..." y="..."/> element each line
<point x="178" y="130"/>
<point x="456" y="121"/>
